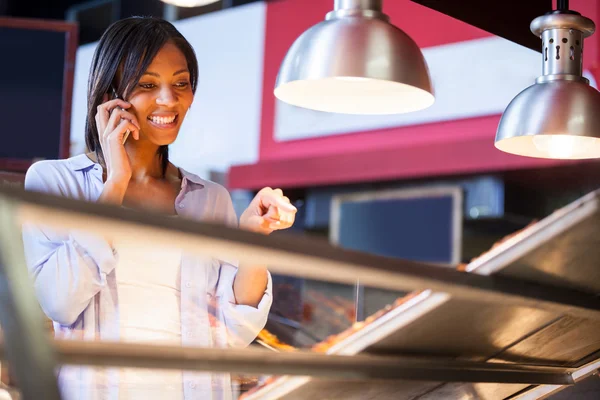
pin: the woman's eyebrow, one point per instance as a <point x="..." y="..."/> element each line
<point x="181" y="71"/>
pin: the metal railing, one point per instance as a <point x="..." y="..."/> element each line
<point x="28" y="347"/>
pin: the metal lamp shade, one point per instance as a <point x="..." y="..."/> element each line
<point x="189" y="3"/>
<point x="559" y="116"/>
<point x="355" y="65"/>
<point x="557" y="119"/>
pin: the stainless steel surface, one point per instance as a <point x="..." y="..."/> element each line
<point x="467" y="330"/>
<point x="299" y="256"/>
<point x="546" y="391"/>
<point x="189" y="3"/>
<point x="562" y="249"/>
<point x="559" y="250"/>
<point x="479" y="391"/>
<point x="564" y="111"/>
<point x="562" y="37"/>
<point x="564" y="342"/>
<point x="374" y="5"/>
<point x="357" y="8"/>
<point x="252" y="361"/>
<point x="28" y="351"/>
<point x="464" y="329"/>
<point x="562" y="21"/>
<point x="355" y="62"/>
<point x="570" y="259"/>
<point x="477" y="326"/>
<point x="557" y="116"/>
<point x="336" y="390"/>
<point x="562" y="51"/>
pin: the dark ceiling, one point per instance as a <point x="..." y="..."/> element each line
<point x="94" y="16"/>
<point x="508" y="18"/>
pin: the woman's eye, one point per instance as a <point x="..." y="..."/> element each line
<point x="147" y="85"/>
<point x="182" y="84"/>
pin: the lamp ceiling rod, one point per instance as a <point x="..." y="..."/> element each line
<point x="562" y="5"/>
<point x="375" y="5"/>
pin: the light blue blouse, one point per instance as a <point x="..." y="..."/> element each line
<point x="74" y="279"/>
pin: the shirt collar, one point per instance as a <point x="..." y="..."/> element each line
<point x="82" y="162"/>
<point x="191" y="177"/>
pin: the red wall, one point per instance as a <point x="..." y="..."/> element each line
<point x="436" y="149"/>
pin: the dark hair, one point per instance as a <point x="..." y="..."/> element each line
<point x="129" y="46"/>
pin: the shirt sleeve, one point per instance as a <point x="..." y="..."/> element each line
<point x="68" y="268"/>
<point x="243" y="322"/>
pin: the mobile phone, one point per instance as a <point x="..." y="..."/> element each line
<point x="116" y="96"/>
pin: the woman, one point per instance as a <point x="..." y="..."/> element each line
<point x="94" y="288"/>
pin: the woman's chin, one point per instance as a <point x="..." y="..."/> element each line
<point x="164" y="139"/>
<point x="168" y="142"/>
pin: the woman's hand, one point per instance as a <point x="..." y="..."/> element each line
<point x="270" y="210"/>
<point x="112" y="121"/>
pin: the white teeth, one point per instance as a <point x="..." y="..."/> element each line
<point x="162" y="120"/>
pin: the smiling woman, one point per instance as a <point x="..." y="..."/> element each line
<point x="142" y="81"/>
<point x="142" y="59"/>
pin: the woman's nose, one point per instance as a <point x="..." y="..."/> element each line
<point x="166" y="97"/>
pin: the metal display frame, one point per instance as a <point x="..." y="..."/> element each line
<point x="28" y="347"/>
<point x="455" y="192"/>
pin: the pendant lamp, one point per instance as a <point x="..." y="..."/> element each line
<point x="558" y="117"/>
<point x="355" y="62"/>
<point x="189" y="3"/>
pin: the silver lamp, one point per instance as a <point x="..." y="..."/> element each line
<point x="559" y="116"/>
<point x="355" y="62"/>
<point x="189" y="3"/>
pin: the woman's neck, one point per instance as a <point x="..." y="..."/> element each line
<point x="145" y="161"/>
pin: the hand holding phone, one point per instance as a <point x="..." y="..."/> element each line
<point x="113" y="122"/>
<point x="116" y="96"/>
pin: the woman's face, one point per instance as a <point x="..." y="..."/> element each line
<point x="163" y="96"/>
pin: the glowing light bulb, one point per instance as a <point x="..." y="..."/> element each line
<point x="189" y="3"/>
<point x="559" y="146"/>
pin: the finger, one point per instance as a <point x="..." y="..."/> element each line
<point x="117" y="116"/>
<point x="272" y="200"/>
<point x="278" y="192"/>
<point x="123" y="114"/>
<point x="114" y="120"/>
<point x="119" y="132"/>
<point x="104" y="110"/>
<point x="132" y="118"/>
<point x="112" y="104"/>
<point x="287" y="219"/>
<point x="100" y="124"/>
<point x="279" y="220"/>
<point x="275" y="226"/>
<point x="265" y="225"/>
<point x="272" y="213"/>
<point x="102" y="116"/>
